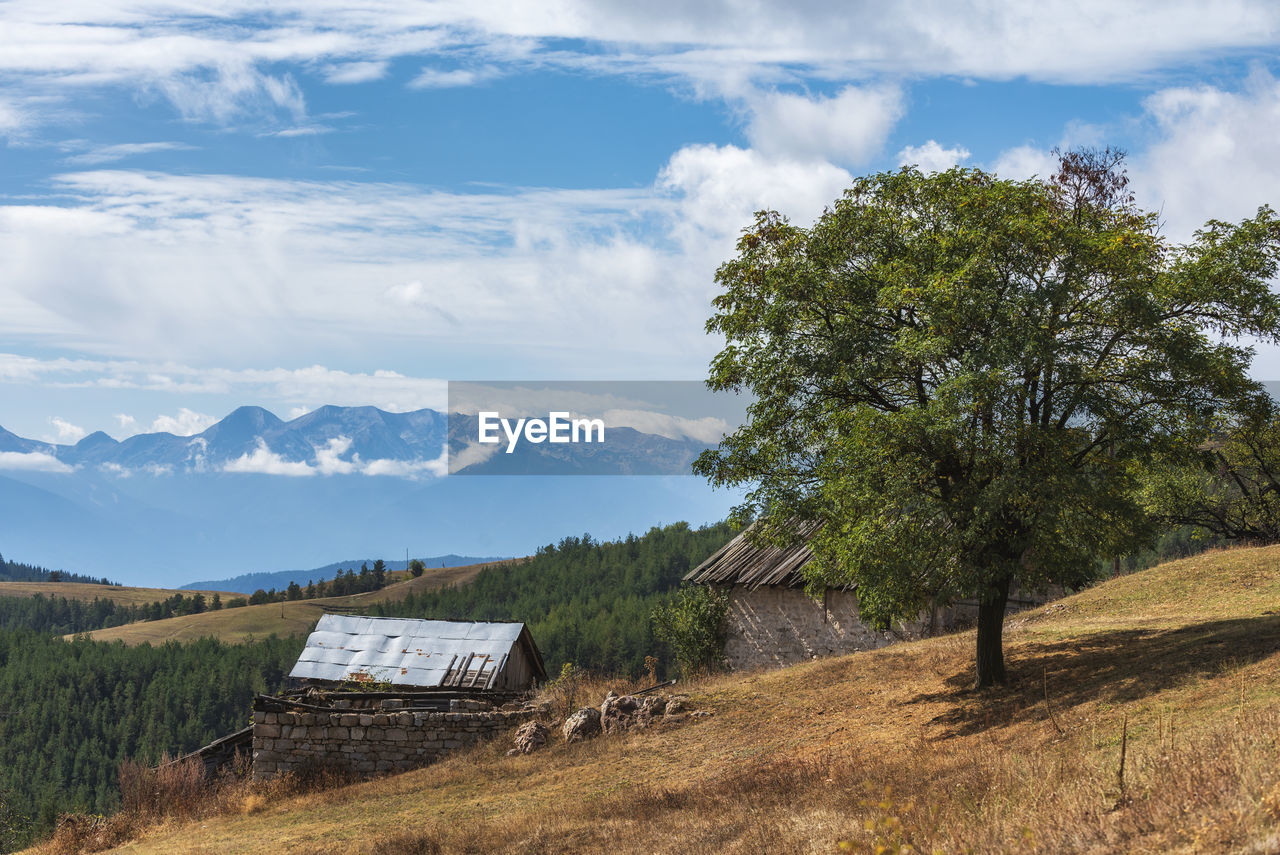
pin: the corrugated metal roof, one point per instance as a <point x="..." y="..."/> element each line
<point x="740" y="562"/>
<point x="425" y="653"/>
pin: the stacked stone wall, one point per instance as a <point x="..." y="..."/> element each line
<point x="367" y="742"/>
<point x="771" y="626"/>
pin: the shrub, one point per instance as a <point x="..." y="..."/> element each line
<point x="691" y="623"/>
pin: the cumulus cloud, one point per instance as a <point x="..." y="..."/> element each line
<point x="329" y="458"/>
<point x="263" y="461"/>
<point x="33" y="461"/>
<point x="846" y="128"/>
<point x="67" y="432"/>
<point x="434" y="468"/>
<point x="306" y="266"/>
<point x="707" y="429"/>
<point x="330" y="461"/>
<point x="185" y="423"/>
<point x="932" y="156"/>
<point x="1214" y="154"/>
<point x="1025" y="161"/>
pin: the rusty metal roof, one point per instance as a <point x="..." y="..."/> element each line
<point x="425" y="653"/>
<point x="740" y="562"/>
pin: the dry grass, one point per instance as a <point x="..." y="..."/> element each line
<point x="885" y="751"/>
<point x="289" y="618"/>
<point x="89" y="592"/>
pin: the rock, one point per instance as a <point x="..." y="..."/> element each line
<point x="618" y="713"/>
<point x="651" y="708"/>
<point x="700" y="713"/>
<point x="530" y="736"/>
<point x="676" y="704"/>
<point x="583" y="724"/>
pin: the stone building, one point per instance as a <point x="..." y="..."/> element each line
<point x="419" y="654"/>
<point x="375" y="695"/>
<point x="773" y="622"/>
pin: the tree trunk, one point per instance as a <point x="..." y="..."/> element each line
<point x="991" y="636"/>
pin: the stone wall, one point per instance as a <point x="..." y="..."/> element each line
<point x="367" y="742"/>
<point x="772" y="626"/>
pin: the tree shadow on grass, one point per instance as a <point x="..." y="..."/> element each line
<point x="1118" y="667"/>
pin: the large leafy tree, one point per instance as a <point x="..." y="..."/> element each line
<point x="959" y="376"/>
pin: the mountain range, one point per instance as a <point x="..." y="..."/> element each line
<point x="254" y="494"/>
<point x="247" y="583"/>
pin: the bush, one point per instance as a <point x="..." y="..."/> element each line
<point x="691" y="623"/>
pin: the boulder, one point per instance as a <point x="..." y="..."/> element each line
<point x="617" y="713"/>
<point x="583" y="724"/>
<point x="530" y="736"/>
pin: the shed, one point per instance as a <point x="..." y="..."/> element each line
<point x="420" y="654"/>
<point x="772" y="621"/>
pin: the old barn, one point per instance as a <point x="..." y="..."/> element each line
<point x="419" y="654"/>
<point x="773" y="622"/>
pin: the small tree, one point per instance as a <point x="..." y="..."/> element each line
<point x="1232" y="490"/>
<point x="416" y="568"/>
<point x="691" y="622"/>
<point x="958" y="375"/>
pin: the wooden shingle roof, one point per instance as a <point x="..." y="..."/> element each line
<point x="740" y="562"/>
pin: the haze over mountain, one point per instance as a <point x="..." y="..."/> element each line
<point x="254" y="493"/>
<point x="247" y="583"/>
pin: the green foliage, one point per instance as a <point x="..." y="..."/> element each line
<point x="12" y="571"/>
<point x="1232" y="489"/>
<point x="584" y="601"/>
<point x="74" y="709"/>
<point x="416" y="568"/>
<point x="691" y="622"/>
<point x="960" y="375"/>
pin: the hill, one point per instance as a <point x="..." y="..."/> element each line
<point x="886" y="749"/>
<point x="247" y="583"/>
<point x="122" y="594"/>
<point x="283" y="619"/>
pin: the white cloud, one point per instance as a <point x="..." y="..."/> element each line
<point x="1025" y="161"/>
<point x="211" y="61"/>
<point x="356" y="72"/>
<point x="1214" y="155"/>
<point x="109" y="153"/>
<point x="185" y="423"/>
<point x="329" y="458"/>
<point x="932" y="156"/>
<point x="718" y="189"/>
<point x="304" y="388"/>
<point x="848" y="128"/>
<point x="299" y="267"/>
<point x="264" y="461"/>
<point x="435" y="468"/>
<point x="470" y="454"/>
<point x="67" y="432"/>
<point x="431" y="78"/>
<point x="706" y="429"/>
<point x="33" y="461"/>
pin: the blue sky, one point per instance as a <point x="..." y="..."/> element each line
<point x="205" y="205"/>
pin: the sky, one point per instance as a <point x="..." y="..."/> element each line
<point x="205" y="205"/>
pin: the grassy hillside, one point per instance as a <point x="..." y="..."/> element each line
<point x="884" y="749"/>
<point x="283" y="619"/>
<point x="87" y="592"/>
